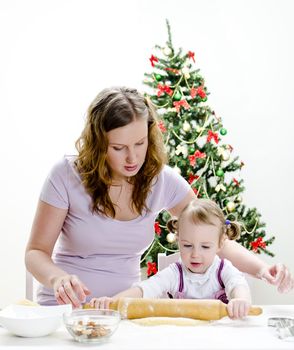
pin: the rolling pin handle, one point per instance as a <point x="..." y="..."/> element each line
<point x="114" y="305"/>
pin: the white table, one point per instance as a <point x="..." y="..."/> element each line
<point x="226" y="334"/>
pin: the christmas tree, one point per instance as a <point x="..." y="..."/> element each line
<point x="194" y="137"/>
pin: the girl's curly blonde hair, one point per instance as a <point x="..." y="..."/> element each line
<point x="114" y="108"/>
<point x="205" y="211"/>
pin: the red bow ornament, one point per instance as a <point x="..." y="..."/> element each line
<point x="194" y="157"/>
<point x="236" y="182"/>
<point x="153" y="59"/>
<point x="157" y="228"/>
<point x="173" y="70"/>
<point x="162" y="126"/>
<point x="192" y="177"/>
<point x="164" y="89"/>
<point x="212" y="135"/>
<point x="182" y="103"/>
<point x="258" y="243"/>
<point x="197" y="91"/>
<point x="191" y="55"/>
<point x="151" y="268"/>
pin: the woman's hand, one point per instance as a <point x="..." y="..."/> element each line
<point x="101" y="303"/>
<point x="68" y="289"/>
<point x="277" y="275"/>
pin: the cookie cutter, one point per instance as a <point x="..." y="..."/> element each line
<point x="284" y="327"/>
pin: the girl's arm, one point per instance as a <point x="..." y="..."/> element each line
<point x="135" y="292"/>
<point x="241" y="292"/>
<point x="104" y="302"/>
<point x="153" y="287"/>
<point x="240" y="301"/>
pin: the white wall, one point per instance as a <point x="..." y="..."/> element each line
<point x="57" y="54"/>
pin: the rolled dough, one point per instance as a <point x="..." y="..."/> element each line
<point x="172" y="321"/>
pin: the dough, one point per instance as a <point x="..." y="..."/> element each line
<point x="172" y="321"/>
<point x="26" y="302"/>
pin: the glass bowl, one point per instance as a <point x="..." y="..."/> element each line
<point x="91" y="325"/>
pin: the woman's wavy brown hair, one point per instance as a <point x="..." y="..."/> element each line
<point x="202" y="210"/>
<point x="114" y="108"/>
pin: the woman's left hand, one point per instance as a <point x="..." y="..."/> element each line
<point x="277" y="275"/>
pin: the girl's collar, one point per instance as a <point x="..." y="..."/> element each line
<point x="201" y="278"/>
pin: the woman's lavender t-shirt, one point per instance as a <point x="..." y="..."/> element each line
<point x="104" y="252"/>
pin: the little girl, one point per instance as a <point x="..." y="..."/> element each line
<point x="200" y="273"/>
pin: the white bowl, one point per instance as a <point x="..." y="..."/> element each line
<point x="91" y="325"/>
<point x="32" y="321"/>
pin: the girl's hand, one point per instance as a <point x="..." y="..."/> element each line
<point x="101" y="303"/>
<point x="68" y="289"/>
<point x="277" y="275"/>
<point x="238" y="308"/>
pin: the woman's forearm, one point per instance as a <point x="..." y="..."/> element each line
<point x="41" y="266"/>
<point x="242" y="258"/>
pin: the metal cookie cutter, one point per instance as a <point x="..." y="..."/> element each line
<point x="284" y="327"/>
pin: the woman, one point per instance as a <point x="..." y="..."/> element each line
<point x="96" y="211"/>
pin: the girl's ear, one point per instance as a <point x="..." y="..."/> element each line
<point x="221" y="242"/>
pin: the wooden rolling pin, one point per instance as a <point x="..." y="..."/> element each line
<point x="200" y="309"/>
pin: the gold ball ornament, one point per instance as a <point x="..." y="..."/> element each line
<point x="186" y="72"/>
<point x="167" y="51"/>
<point x="225" y="155"/>
<point x="230" y="206"/>
<point x="186" y="126"/>
<point x="171" y="237"/>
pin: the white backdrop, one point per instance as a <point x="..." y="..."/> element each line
<point x="57" y="54"/>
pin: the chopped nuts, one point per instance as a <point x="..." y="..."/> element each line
<point x="90" y="329"/>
